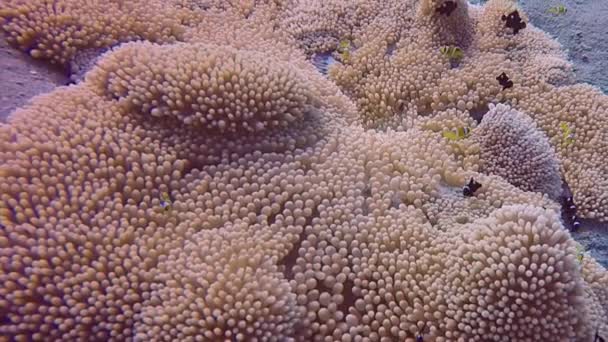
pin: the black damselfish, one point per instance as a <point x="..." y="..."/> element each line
<point x="419" y="335"/>
<point x="447" y="8"/>
<point x="570" y="210"/>
<point x="504" y="81"/>
<point x="514" y="21"/>
<point x="469" y="189"/>
<point x="598" y="338"/>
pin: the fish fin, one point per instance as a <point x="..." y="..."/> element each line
<point x="458" y="54"/>
<point x="460" y="132"/>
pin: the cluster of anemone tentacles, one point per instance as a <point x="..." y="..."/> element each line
<point x="205" y="182"/>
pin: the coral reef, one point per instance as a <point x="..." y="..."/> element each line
<point x="208" y="183"/>
<point x="57" y="30"/>
<point x="226" y="89"/>
<point x="512" y="147"/>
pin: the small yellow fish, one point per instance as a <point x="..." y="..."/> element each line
<point x="344" y="49"/>
<point x="345" y="56"/>
<point x="580" y="252"/>
<point x="567" y="134"/>
<point x="344" y="45"/>
<point x="452" y="52"/>
<point x="557" y="10"/>
<point x="457" y="134"/>
<point x="165" y="201"/>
